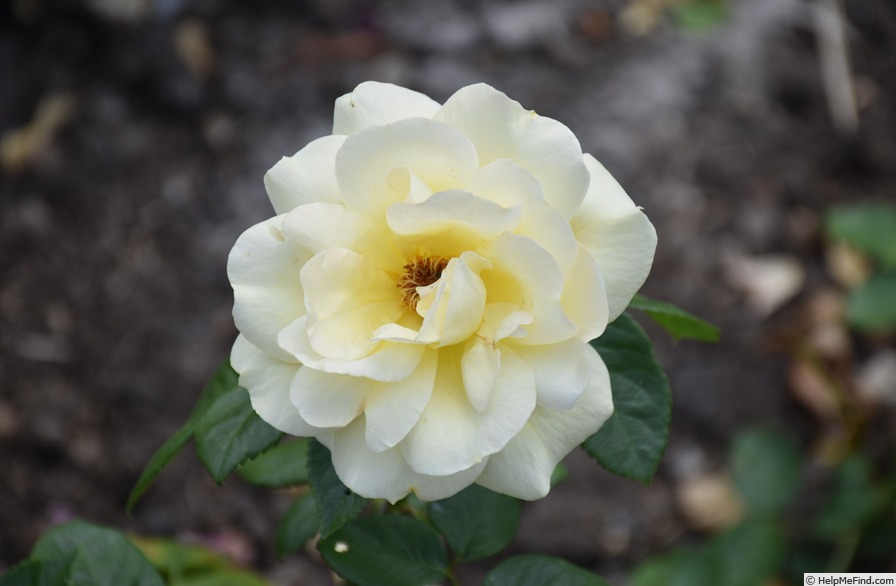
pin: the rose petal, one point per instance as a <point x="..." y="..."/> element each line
<point x="584" y="298"/>
<point x="501" y="129"/>
<point x="507" y="184"/>
<point x="453" y="310"/>
<point x="617" y="234"/>
<point x="267" y="295"/>
<point x="480" y="367"/>
<point x="525" y="274"/>
<point x="392" y="409"/>
<point x="523" y="469"/>
<point x="320" y="226"/>
<point x="451" y="435"/>
<point x="450" y="222"/>
<point x="328" y="400"/>
<point x="561" y="371"/>
<point x="373" y="103"/>
<point x="385" y="474"/>
<point x="436" y="154"/>
<point x="388" y="362"/>
<point x="306" y="177"/>
<point x="347" y="297"/>
<point x="268" y="380"/>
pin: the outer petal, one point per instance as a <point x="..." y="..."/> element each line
<point x="347" y="298"/>
<point x="386" y="474"/>
<point x="307" y="176"/>
<point x="267" y="380"/>
<point x="561" y="371"/>
<point x="501" y="129"/>
<point x="618" y="234"/>
<point x="373" y="103"/>
<point x="392" y="409"/>
<point x="451" y="435"/>
<point x="328" y="400"/>
<point x="263" y="268"/>
<point x="368" y="167"/>
<point x="584" y="297"/>
<point x="523" y="469"/>
<point x="388" y="362"/>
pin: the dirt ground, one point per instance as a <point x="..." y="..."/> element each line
<point x="135" y="137"/>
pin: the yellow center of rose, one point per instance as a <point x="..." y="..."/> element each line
<point x="420" y="272"/>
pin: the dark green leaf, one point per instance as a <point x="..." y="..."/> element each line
<point x="224" y="379"/>
<point x="298" y="525"/>
<point x="224" y="577"/>
<point x="749" y="554"/>
<point x="336" y="504"/>
<point x="283" y="465"/>
<point x="870" y="227"/>
<point x="559" y="474"/>
<point x="229" y="432"/>
<point x="631" y="442"/>
<point x="175" y="559"/>
<point x="853" y="502"/>
<point x="676" y="321"/>
<point x="37" y="573"/>
<point x="695" y="567"/>
<point x="163" y="456"/>
<point x="540" y="570"/>
<point x="388" y="550"/>
<point x="96" y="556"/>
<point x="766" y="466"/>
<point x="476" y="522"/>
<point x="872" y="307"/>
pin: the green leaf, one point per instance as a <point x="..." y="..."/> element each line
<point x="298" y="525"/>
<point x="159" y="461"/>
<point x="540" y="570"/>
<point x="336" y="504"/>
<point x="854" y="500"/>
<point x="872" y="307"/>
<point x="476" y="522"/>
<point x="37" y="573"/>
<point x="95" y="556"/>
<point x="283" y="465"/>
<point x="230" y="432"/>
<point x="870" y="227"/>
<point x="174" y="559"/>
<point x="631" y="442"/>
<point x="699" y="15"/>
<point x="559" y="474"/>
<point x="749" y="554"/>
<point x="675" y="320"/>
<point x="227" y="577"/>
<point x="224" y="379"/>
<point x="695" y="567"/>
<point x="766" y="468"/>
<point x="388" y="550"/>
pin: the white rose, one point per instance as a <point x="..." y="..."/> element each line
<point x="423" y="300"/>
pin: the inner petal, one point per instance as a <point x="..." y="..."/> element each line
<point x="347" y="298"/>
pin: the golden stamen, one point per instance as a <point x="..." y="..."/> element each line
<point x="420" y="272"/>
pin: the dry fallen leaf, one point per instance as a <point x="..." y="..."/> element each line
<point x="767" y="281"/>
<point x="710" y="501"/>
<point x="19" y="147"/>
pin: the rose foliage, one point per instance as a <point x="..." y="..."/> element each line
<point x="423" y="299"/>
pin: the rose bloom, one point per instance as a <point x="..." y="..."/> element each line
<point x="423" y="300"/>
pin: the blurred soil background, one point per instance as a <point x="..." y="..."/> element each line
<point x="135" y="134"/>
